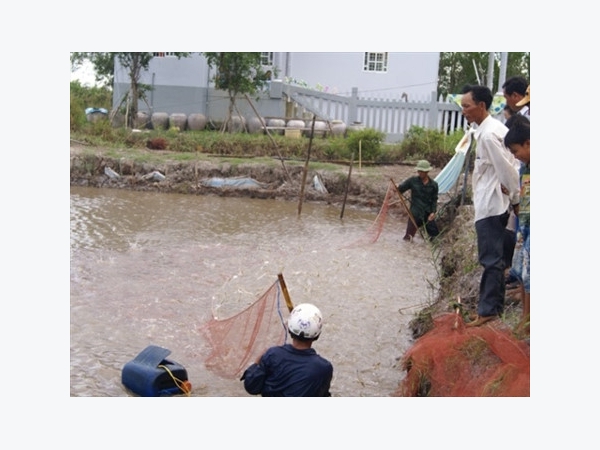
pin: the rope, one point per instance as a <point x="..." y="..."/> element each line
<point x="184" y="386"/>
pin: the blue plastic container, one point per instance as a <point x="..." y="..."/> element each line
<point x="144" y="377"/>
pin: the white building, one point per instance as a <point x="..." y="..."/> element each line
<point x="184" y="85"/>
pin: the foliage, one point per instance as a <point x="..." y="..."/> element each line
<point x="335" y="148"/>
<point x="236" y="73"/>
<point x="94" y="97"/>
<point x="368" y="141"/>
<point x="77" y="113"/>
<point x="104" y="65"/>
<point x="419" y="143"/>
<point x="133" y="62"/>
<point x="458" y="68"/>
<point x="433" y="145"/>
<point x="86" y="97"/>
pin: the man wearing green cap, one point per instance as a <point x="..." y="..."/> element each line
<point x="423" y="204"/>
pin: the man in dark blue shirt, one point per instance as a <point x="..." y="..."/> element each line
<point x="293" y="370"/>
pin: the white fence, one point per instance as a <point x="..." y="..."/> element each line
<point x="393" y="117"/>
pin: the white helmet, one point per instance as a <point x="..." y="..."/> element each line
<point x="305" y="321"/>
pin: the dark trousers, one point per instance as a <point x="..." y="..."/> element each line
<point x="490" y="247"/>
<point x="431" y="227"/>
<point x="510" y="240"/>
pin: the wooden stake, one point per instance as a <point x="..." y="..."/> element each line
<point x="347" y="185"/>
<point x="304" y="173"/>
<point x="271" y="138"/>
<point x="457" y="311"/>
<point x="360" y="156"/>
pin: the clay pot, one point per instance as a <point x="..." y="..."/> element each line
<point x="141" y="120"/>
<point x="237" y="124"/>
<point x="178" y="120"/>
<point x="276" y="123"/>
<point x="196" y="122"/>
<point x="320" y="129"/>
<point x="255" y="125"/>
<point x="295" y="124"/>
<point x="160" y="121"/>
<point x="338" y="128"/>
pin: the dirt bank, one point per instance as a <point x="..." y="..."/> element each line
<point x="279" y="180"/>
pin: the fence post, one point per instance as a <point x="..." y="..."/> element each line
<point x="433" y="111"/>
<point x="353" y="106"/>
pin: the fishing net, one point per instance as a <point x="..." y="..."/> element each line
<point x="452" y="360"/>
<point x="374" y="231"/>
<point x="237" y="341"/>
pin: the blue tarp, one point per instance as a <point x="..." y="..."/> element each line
<point x="244" y="183"/>
<point x="447" y="178"/>
<point x="95" y="110"/>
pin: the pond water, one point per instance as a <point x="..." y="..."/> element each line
<point x="151" y="269"/>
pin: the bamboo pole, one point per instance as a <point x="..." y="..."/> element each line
<point x="347" y="185"/>
<point x="286" y="294"/>
<point x="304" y="173"/>
<point x="360" y="156"/>
<point x="271" y="138"/>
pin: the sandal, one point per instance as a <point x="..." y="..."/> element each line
<point x="481" y="320"/>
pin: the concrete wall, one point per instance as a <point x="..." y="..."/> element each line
<point x="411" y="73"/>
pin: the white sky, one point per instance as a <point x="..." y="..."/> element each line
<point x="85" y="74"/>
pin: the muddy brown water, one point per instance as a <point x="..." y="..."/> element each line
<point x="152" y="268"/>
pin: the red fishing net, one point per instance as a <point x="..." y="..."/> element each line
<point x="374" y="231"/>
<point x="452" y="360"/>
<point x="237" y="341"/>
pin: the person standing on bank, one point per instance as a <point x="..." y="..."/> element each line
<point x="423" y="201"/>
<point x="293" y="370"/>
<point x="516" y="94"/>
<point x="525" y="104"/>
<point x="494" y="171"/>
<point x="518" y="141"/>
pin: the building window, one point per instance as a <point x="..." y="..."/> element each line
<point x="376" y="62"/>
<point x="162" y="54"/>
<point x="266" y="58"/>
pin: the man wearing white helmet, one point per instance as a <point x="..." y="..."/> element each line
<point x="293" y="370"/>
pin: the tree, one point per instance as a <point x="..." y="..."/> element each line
<point x="459" y="68"/>
<point x="236" y="73"/>
<point x="133" y="62"/>
<point x="104" y="66"/>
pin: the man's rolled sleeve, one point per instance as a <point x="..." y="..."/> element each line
<point x="254" y="379"/>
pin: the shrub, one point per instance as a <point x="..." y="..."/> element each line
<point x="334" y="148"/>
<point x="433" y="145"/>
<point x="157" y="143"/>
<point x="83" y="97"/>
<point x="77" y="114"/>
<point x="368" y="140"/>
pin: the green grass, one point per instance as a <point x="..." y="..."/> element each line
<point x="187" y="145"/>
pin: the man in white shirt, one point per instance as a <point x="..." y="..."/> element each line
<point x="494" y="172"/>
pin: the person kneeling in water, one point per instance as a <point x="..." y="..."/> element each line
<point x="293" y="370"/>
